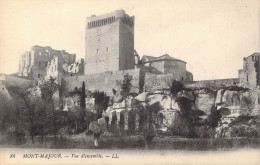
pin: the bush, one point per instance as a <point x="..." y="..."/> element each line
<point x="204" y="132"/>
<point x="245" y="126"/>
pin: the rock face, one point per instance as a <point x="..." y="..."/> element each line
<point x="230" y="98"/>
<point x="170" y="118"/>
<point x="204" y="101"/>
<point x="230" y="104"/>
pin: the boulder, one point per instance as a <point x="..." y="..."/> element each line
<point x="164" y="100"/>
<point x="142" y="97"/>
<point x="170" y="118"/>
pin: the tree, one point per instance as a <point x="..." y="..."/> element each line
<point x="25" y="106"/>
<point x="148" y="129"/>
<point x="101" y="102"/>
<point x="175" y="87"/>
<point x="48" y="89"/>
<point x="11" y="123"/>
<point x="126" y="86"/>
<point x="62" y="92"/>
<point x="83" y="96"/>
<point x="44" y="117"/>
<point x="83" y="105"/>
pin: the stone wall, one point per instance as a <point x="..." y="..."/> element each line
<point x="218" y="83"/>
<point x="153" y="82"/>
<point x="106" y="81"/>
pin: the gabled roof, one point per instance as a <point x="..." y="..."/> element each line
<point x="164" y="57"/>
<point x="256" y="54"/>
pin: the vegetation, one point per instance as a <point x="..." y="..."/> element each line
<point x="41" y="121"/>
<point x="126" y="86"/>
<point x="101" y="102"/>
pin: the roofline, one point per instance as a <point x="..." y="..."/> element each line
<point x="165" y="60"/>
<point x="256" y="53"/>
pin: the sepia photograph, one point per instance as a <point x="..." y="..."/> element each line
<point x="130" y="82"/>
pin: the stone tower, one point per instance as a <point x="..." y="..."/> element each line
<point x="109" y="42"/>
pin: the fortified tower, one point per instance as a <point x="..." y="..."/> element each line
<point x="109" y="42"/>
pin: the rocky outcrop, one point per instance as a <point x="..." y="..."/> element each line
<point x="204" y="100"/>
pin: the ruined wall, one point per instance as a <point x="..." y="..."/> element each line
<point x="34" y="63"/>
<point x="52" y="69"/>
<point x="250" y="74"/>
<point x="106" y="81"/>
<point x="76" y="68"/>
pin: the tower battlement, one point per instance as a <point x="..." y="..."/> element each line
<point x="96" y="21"/>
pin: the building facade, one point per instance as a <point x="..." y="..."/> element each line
<point x="109" y="43"/>
<point x="167" y="65"/>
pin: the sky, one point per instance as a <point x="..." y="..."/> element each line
<point x="212" y="36"/>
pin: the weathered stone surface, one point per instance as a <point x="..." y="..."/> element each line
<point x="231" y="98"/>
<point x="90" y="103"/>
<point x="109" y="82"/>
<point x="219" y="97"/>
<point x="164" y="100"/>
<point x="142" y="97"/>
<point x="170" y="118"/>
<point x="249" y="102"/>
<point x="205" y="101"/>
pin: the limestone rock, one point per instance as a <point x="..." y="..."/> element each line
<point x="231" y="98"/>
<point x="219" y="97"/>
<point x="188" y="95"/>
<point x="142" y="97"/>
<point x="170" y="118"/>
<point x="249" y="103"/>
<point x="164" y="100"/>
<point x="205" y="101"/>
<point x="90" y="103"/>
